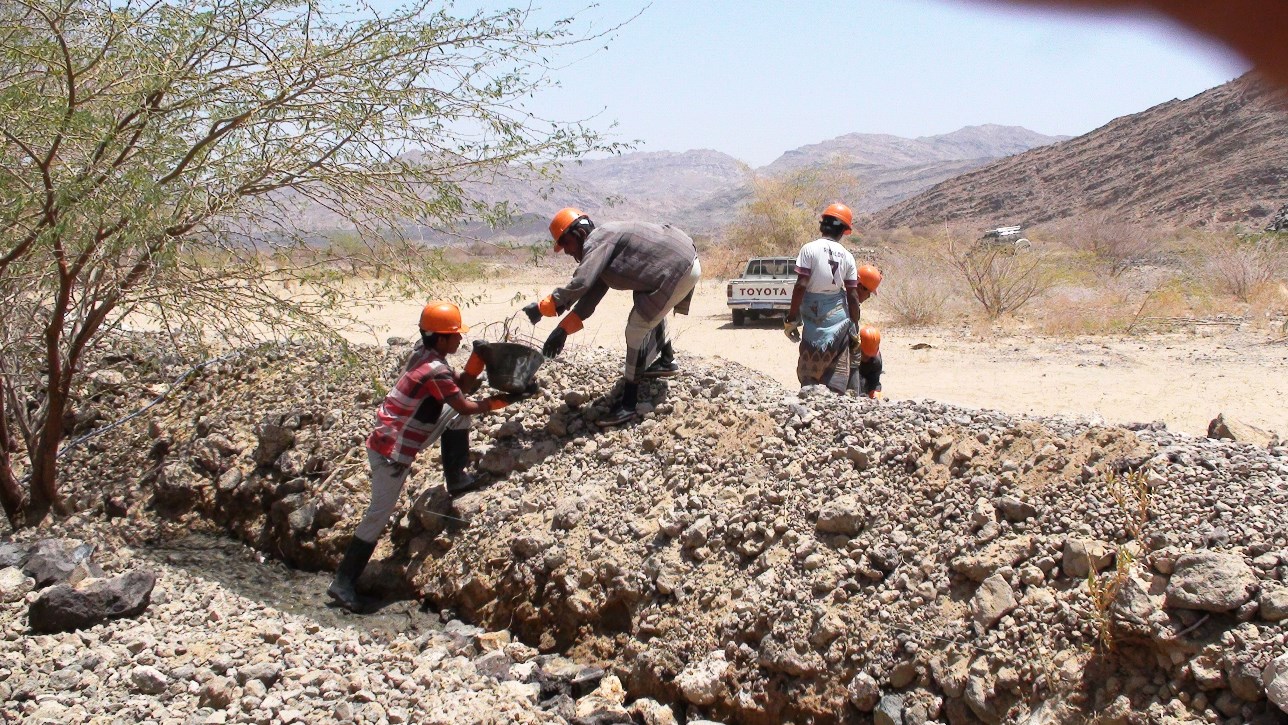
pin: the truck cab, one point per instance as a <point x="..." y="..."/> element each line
<point x="764" y="289"/>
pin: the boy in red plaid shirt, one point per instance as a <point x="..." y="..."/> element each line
<point x="427" y="403"/>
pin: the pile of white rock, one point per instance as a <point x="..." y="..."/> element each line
<point x="202" y="653"/>
<point x="761" y="555"/>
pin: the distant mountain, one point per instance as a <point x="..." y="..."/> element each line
<point x="890" y="168"/>
<point x="665" y="181"/>
<point x="986" y="142"/>
<point x="660" y="185"/>
<point x="702" y="190"/>
<point x="1219" y="157"/>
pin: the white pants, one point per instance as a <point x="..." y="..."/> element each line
<point x="640" y="346"/>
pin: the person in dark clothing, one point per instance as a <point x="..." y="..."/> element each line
<point x="865" y="378"/>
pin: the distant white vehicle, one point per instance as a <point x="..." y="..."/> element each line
<point x="1012" y="237"/>
<point x="764" y="289"/>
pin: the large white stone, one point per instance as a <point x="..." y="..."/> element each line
<point x="702" y="682"/>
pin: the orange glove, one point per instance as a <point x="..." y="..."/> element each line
<point x="474" y="365"/>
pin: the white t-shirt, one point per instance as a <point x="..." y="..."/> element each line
<point x="830" y="266"/>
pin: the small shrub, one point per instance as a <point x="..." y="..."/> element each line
<point x="1000" y="279"/>
<point x="1116" y="244"/>
<point x="1133" y="495"/>
<point x="723" y="262"/>
<point x="916" y="292"/>
<point x="1246" y="265"/>
<point x="1081" y="311"/>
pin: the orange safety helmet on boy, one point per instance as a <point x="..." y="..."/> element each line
<point x="841" y="213"/>
<point x="564" y="219"/>
<point x="870" y="341"/>
<point x="442" y="317"/>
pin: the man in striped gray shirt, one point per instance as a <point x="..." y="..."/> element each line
<point x="656" y="262"/>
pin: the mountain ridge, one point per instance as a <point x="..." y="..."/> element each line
<point x="1218" y="157"/>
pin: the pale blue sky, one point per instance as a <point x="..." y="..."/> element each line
<point x="755" y="79"/>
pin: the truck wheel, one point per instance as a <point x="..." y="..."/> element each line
<point x="739" y="317"/>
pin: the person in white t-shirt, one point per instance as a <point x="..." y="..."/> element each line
<point x="824" y="314"/>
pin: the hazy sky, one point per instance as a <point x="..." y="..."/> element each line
<point x="755" y="79"/>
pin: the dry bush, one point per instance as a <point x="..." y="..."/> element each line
<point x="916" y="290"/>
<point x="1243" y="266"/>
<point x="1071" y="311"/>
<point x="1001" y="279"/>
<point x="1118" y="245"/>
<point x="1134" y="495"/>
<point x="1102" y="591"/>
<point x="1269" y="304"/>
<point x="723" y="262"/>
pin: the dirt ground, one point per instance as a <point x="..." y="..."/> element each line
<point x="1182" y="379"/>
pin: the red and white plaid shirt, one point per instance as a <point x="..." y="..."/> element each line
<point x="407" y="416"/>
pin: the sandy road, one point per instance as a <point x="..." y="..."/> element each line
<point x="1184" y="380"/>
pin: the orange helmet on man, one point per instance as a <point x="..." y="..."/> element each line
<point x="841" y="213"/>
<point x="564" y="220"/>
<point x="443" y="318"/>
<point x="870" y="278"/>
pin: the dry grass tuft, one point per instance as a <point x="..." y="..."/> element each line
<point x="1241" y="267"/>
<point x="1133" y="495"/>
<point x="1073" y="311"/>
<point x="915" y="290"/>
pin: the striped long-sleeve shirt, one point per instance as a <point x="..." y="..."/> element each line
<point x="408" y="413"/>
<point x="648" y="259"/>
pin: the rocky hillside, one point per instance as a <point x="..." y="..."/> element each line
<point x="1219" y="157"/>
<point x="745" y="553"/>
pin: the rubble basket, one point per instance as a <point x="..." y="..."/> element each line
<point x="511" y="365"/>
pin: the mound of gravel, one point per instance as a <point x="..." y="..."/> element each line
<point x="228" y="639"/>
<point x="755" y="554"/>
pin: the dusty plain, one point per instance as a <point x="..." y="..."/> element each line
<point x="1183" y="379"/>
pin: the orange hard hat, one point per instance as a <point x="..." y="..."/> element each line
<point x="841" y="213"/>
<point x="870" y="341"/>
<point x="442" y="317"/>
<point x="870" y="277"/>
<point x="564" y="219"/>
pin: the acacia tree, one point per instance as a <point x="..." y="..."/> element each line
<point x="155" y="155"/>
<point x="783" y="210"/>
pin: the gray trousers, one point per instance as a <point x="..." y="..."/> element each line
<point x="388" y="477"/>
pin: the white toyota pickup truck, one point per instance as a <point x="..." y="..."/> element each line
<point x="765" y="288"/>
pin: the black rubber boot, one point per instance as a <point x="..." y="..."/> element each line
<point x="666" y="353"/>
<point x="624" y="411"/>
<point x="664" y="366"/>
<point x="344" y="588"/>
<point x="456" y="457"/>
